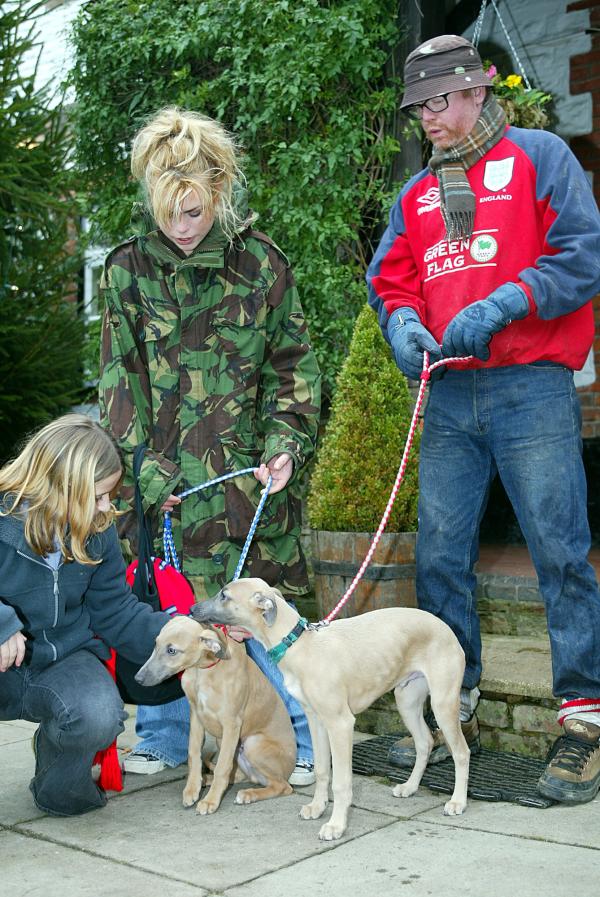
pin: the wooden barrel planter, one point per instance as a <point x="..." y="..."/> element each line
<point x="388" y="581"/>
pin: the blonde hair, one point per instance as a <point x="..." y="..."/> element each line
<point x="52" y="484"/>
<point x="178" y="152"/>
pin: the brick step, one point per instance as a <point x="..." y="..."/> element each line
<point x="508" y="597"/>
<point x="510" y="605"/>
<point x="517" y="711"/>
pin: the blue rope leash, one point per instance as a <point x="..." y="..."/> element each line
<point x="169" y="543"/>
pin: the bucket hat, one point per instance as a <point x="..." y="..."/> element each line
<point x="441" y="65"/>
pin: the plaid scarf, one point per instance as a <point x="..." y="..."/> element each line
<point x="457" y="200"/>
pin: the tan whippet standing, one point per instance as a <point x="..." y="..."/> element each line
<point x="232" y="700"/>
<point x="339" y="670"/>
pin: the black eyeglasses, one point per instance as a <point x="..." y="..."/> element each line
<point x="435" y="104"/>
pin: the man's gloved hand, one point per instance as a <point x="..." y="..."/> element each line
<point x="409" y="339"/>
<point x="470" y="331"/>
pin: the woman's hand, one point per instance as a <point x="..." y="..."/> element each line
<point x="170" y="503"/>
<point x="280" y="467"/>
<point x="12" y="651"/>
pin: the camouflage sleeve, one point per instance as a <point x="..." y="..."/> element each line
<point x="125" y="400"/>
<point x="290" y="394"/>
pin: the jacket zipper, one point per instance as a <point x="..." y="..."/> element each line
<point x="56" y="593"/>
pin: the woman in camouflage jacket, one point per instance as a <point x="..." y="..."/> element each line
<point x="206" y="359"/>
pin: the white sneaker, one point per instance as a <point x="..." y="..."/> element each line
<point x="303" y="774"/>
<point x="143" y="764"/>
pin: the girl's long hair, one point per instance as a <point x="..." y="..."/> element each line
<point x="51" y="484"/>
<point x="178" y="152"/>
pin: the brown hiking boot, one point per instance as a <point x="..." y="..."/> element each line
<point x="402" y="753"/>
<point x="572" y="774"/>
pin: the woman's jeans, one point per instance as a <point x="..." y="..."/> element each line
<point x="80" y="712"/>
<point x="522" y="422"/>
<point x="164" y="729"/>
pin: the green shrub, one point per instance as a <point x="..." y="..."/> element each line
<point x="40" y="334"/>
<point x="306" y="86"/>
<point x="364" y="441"/>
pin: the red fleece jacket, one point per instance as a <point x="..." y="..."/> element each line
<point x="536" y="225"/>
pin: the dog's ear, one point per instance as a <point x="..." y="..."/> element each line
<point x="215" y="646"/>
<point x="267" y="606"/>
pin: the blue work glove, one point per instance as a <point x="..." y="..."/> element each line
<point x="470" y="331"/>
<point x="409" y="339"/>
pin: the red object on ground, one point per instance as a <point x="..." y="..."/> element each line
<point x="111" y="777"/>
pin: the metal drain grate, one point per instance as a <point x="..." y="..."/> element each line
<point x="492" y="775"/>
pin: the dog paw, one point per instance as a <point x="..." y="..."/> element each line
<point x="330" y="832"/>
<point x="454" y="808"/>
<point x="246" y="796"/>
<point x="312" y="810"/>
<point x="190" y="797"/>
<point x="206" y="807"/>
<point x="404" y="790"/>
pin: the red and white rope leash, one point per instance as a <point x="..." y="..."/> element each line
<point x="425" y="375"/>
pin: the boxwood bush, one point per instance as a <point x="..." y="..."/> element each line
<point x="364" y="441"/>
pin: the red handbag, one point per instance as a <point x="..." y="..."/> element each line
<point x="175" y="593"/>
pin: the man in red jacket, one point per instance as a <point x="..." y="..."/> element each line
<point x="492" y="253"/>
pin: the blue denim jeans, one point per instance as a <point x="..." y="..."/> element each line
<point x="80" y="711"/>
<point x="522" y="422"/>
<point x="164" y="729"/>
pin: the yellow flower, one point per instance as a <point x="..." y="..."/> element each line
<point x="513" y="81"/>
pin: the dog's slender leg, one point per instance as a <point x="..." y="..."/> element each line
<point x="193" y="786"/>
<point x="261" y="757"/>
<point x="340" y="730"/>
<point x="223" y="768"/>
<point x="445" y="703"/>
<point x="322" y="760"/>
<point x="410" y="700"/>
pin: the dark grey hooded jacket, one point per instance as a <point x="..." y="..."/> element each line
<point x="73" y="607"/>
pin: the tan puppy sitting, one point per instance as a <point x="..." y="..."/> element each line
<point x="232" y="700"/>
<point x="339" y="670"/>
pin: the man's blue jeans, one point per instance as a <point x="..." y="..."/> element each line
<point x="80" y="711"/>
<point x="164" y="730"/>
<point x="522" y="422"/>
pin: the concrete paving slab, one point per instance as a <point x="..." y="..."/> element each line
<point x="18" y="765"/>
<point x="576" y="825"/>
<point x="20" y="730"/>
<point x="375" y="794"/>
<point x="156" y="834"/>
<point x="145" y="842"/>
<point x="422" y="859"/>
<point x="31" y="867"/>
<point x="16" y="802"/>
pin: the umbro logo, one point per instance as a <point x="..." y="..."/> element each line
<point x="429" y="201"/>
<point x="432" y="195"/>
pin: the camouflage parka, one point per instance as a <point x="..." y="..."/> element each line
<point x="206" y="358"/>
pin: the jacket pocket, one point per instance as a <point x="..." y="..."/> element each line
<point x="241" y="347"/>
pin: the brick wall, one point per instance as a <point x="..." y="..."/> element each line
<point x="585" y="77"/>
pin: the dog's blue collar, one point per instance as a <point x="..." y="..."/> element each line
<point x="279" y="650"/>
